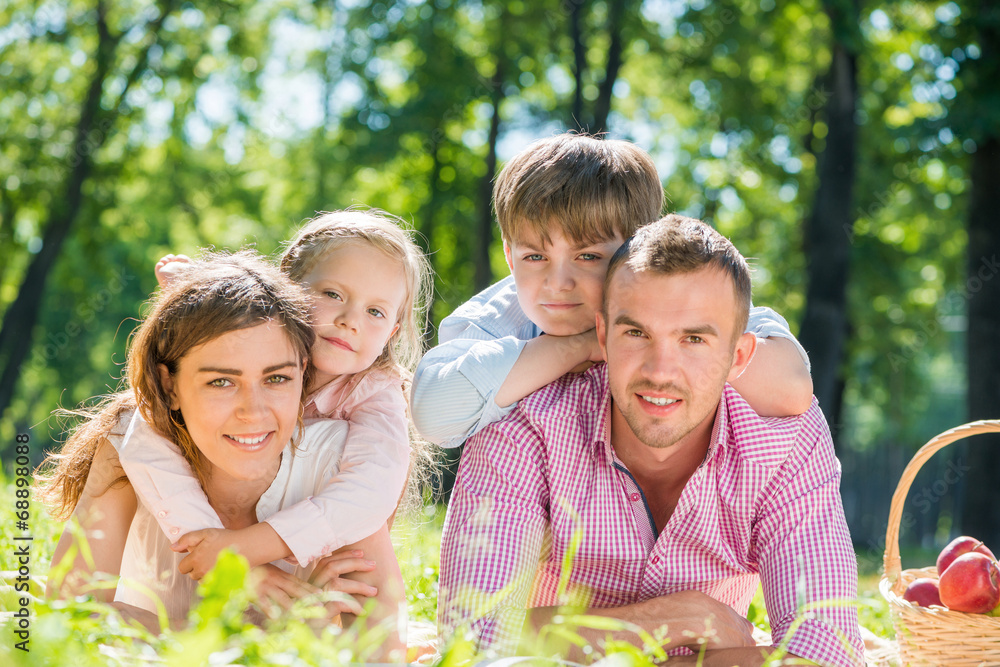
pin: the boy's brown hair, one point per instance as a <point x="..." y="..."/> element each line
<point x="677" y="244"/>
<point x="588" y="188"/>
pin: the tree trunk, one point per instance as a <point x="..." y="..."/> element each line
<point x="828" y="234"/>
<point x="602" y="107"/>
<point x="579" y="62"/>
<point x="91" y="133"/>
<point x="484" y="272"/>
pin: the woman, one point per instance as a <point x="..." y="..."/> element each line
<point x="218" y="368"/>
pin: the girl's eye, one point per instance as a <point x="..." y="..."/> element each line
<point x="221" y="382"/>
<point x="375" y="312"/>
<point x="278" y="379"/>
<point x="332" y="294"/>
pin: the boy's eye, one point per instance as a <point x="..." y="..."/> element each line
<point x="221" y="382"/>
<point x="534" y="258"/>
<point x="589" y="256"/>
<point x="375" y="312"/>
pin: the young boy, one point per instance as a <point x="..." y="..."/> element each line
<point x="564" y="205"/>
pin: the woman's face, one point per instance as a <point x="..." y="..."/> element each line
<point x="239" y="395"/>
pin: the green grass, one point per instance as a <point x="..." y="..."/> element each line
<point x="84" y="633"/>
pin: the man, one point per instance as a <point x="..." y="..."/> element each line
<point x="647" y="490"/>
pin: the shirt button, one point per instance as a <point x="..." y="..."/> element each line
<point x="634" y="497"/>
<point x="161" y="513"/>
<point x="656" y="559"/>
<point x="174" y="531"/>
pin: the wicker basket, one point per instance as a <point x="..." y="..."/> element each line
<point x="934" y="635"/>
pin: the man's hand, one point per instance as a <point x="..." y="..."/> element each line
<point x="703" y="618"/>
<point x="202" y="548"/>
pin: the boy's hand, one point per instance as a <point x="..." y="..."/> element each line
<point x="588" y="349"/>
<point x="169" y="267"/>
<point x="202" y="548"/>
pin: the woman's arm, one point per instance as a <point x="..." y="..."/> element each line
<point x="102" y="518"/>
<point x="390" y="600"/>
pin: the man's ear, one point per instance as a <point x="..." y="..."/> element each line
<point x="746" y="346"/>
<point x="602" y="334"/>
<point x="507" y="256"/>
<point x="167" y="382"/>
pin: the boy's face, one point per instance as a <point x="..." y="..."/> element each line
<point x="560" y="284"/>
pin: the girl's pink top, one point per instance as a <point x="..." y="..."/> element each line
<point x="352" y="506"/>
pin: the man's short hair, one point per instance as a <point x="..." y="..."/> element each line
<point x="588" y="188"/>
<point x="677" y="244"/>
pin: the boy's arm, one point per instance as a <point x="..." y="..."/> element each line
<point x="777" y="382"/>
<point x="164" y="481"/>
<point x="546" y="359"/>
<point x="363" y="493"/>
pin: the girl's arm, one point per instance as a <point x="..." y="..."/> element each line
<point x="94" y="538"/>
<point x="164" y="481"/>
<point x="364" y="491"/>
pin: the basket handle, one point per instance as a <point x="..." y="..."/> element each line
<point x="891" y="559"/>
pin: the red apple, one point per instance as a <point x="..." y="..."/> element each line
<point x="957" y="547"/>
<point x="923" y="592"/>
<point x="971" y="583"/>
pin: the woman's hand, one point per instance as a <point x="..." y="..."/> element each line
<point x="328" y="576"/>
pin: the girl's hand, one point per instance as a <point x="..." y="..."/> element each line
<point x="169" y="267"/>
<point x="202" y="548"/>
<point x="329" y="569"/>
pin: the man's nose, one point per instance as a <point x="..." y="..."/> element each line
<point x="661" y="364"/>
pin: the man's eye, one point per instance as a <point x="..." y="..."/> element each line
<point x="220" y="382"/>
<point x="375" y="312"/>
<point x="634" y="333"/>
<point x="695" y="339"/>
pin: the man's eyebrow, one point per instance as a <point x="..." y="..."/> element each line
<point x="701" y="329"/>
<point x="236" y="371"/>
<point x="627" y="321"/>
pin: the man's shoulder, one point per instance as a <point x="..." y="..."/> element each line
<point x="772" y="441"/>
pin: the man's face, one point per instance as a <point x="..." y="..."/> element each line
<point x="670" y="343"/>
<point x="560" y="284"/>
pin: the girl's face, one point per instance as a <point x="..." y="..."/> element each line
<point x="358" y="292"/>
<point x="240" y="396"/>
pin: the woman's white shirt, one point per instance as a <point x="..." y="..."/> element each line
<point x="149" y="567"/>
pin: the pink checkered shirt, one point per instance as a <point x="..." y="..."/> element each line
<point x="764" y="507"/>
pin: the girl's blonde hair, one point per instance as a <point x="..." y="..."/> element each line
<point x="220" y="293"/>
<point x="330" y="231"/>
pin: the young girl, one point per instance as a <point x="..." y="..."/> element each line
<point x="218" y="367"/>
<point x="368" y="282"/>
